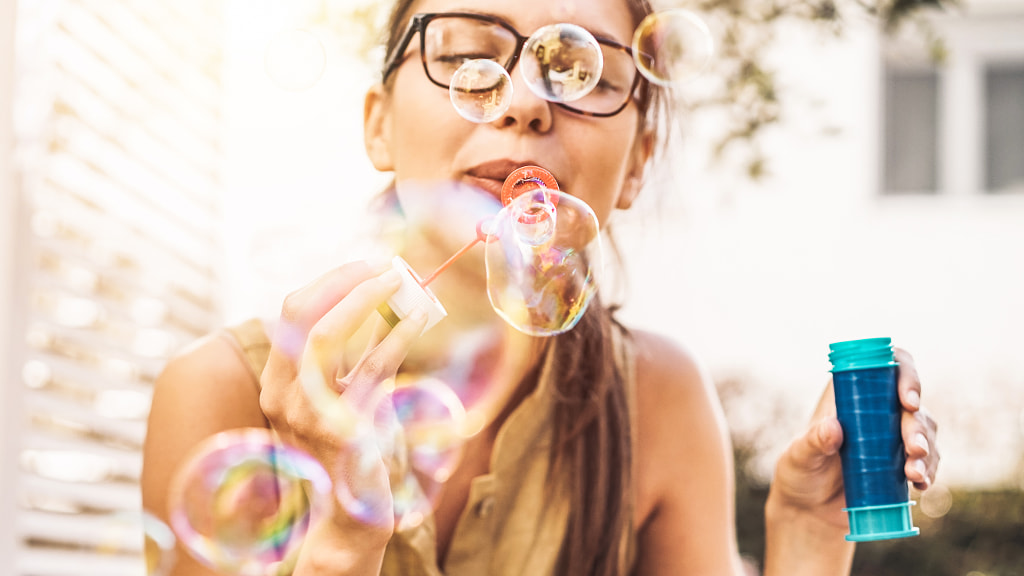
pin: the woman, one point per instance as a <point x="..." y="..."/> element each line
<point x="608" y="453"/>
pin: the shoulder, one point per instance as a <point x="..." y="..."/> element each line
<point x="671" y="383"/>
<point x="680" y="431"/>
<point x="204" y="389"/>
<point x="216" y="358"/>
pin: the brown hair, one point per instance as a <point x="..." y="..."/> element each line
<point x="592" y="437"/>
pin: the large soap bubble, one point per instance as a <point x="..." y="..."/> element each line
<point x="481" y="90"/>
<point x="242" y="503"/>
<point x="561" y="62"/>
<point x="672" y="47"/>
<point x="544" y="261"/>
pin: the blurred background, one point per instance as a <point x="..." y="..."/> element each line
<point x="842" y="171"/>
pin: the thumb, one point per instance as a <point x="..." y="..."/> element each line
<point x="818" y="445"/>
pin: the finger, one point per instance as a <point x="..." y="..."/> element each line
<point x="383" y="360"/>
<point x="818" y="445"/>
<point x="380" y="330"/>
<point x="826" y="407"/>
<point x="302" y="308"/>
<point x="916" y="470"/>
<point x="308" y="304"/>
<point x="909" y="384"/>
<point x="915" y="436"/>
<point x="325" y="343"/>
<point x="922" y="464"/>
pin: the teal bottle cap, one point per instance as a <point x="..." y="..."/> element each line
<point x="861" y="354"/>
<point x="871" y="523"/>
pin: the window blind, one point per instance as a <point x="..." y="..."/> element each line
<point x="119" y="105"/>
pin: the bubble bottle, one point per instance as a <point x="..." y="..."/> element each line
<point x="868" y="407"/>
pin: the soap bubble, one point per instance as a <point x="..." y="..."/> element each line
<point x="242" y="503"/>
<point x="937" y="501"/>
<point x="376" y="482"/>
<point x="432" y="418"/>
<point x="672" y="47"/>
<point x="118" y="533"/>
<point x="544" y="262"/>
<point x="158" y="543"/>
<point x="481" y="90"/>
<point x="417" y="435"/>
<point x="295" y="60"/>
<point x="562" y="62"/>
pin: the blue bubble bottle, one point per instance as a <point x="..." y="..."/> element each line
<point x="868" y="406"/>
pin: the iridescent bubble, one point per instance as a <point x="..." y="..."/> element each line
<point x="937" y="501"/>
<point x="295" y="60"/>
<point x="158" y="543"/>
<point x="416" y="442"/>
<point x="561" y="62"/>
<point x="481" y="90"/>
<point x="672" y="47"/>
<point x="432" y="418"/>
<point x="376" y="482"/>
<point x="242" y="503"/>
<point x="118" y="534"/>
<point x="544" y="262"/>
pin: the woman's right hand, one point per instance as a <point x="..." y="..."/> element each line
<point x="302" y="379"/>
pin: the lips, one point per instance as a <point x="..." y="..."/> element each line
<point x="490" y="176"/>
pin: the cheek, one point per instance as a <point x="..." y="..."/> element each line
<point x="603" y="162"/>
<point x="426" y="128"/>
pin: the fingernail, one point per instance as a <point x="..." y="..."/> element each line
<point x="914" y="399"/>
<point x="391" y="278"/>
<point x="417" y="315"/>
<point x="922" y="441"/>
<point x="378" y="267"/>
<point x="921" y="468"/>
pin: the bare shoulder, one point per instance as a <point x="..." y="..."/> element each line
<point x="205" y="389"/>
<point x="681" y="431"/>
<point x="211" y="379"/>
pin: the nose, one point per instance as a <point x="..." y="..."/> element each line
<point x="527" y="112"/>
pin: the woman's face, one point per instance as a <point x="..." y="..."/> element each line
<point x="413" y="130"/>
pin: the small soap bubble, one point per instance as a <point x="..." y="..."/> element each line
<point x="295" y="60"/>
<point x="158" y="542"/>
<point x="672" y="47"/>
<point x="937" y="501"/>
<point x="481" y="90"/>
<point x="535" y="220"/>
<point x="119" y="533"/>
<point x="562" y="62"/>
<point x="242" y="503"/>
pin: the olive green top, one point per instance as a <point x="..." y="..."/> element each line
<point x="509" y="526"/>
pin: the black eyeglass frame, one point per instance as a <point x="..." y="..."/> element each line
<point x="418" y="23"/>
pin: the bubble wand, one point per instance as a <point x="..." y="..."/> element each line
<point x="414" y="293"/>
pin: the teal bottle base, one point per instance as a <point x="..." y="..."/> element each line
<point x="871" y="523"/>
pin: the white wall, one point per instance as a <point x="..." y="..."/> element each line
<point x="761" y="278"/>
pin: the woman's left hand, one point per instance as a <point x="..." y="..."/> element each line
<point x="808" y="476"/>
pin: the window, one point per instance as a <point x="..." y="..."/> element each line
<point x="911" y="130"/>
<point x="1004" y="127"/>
<point x="118" y="113"/>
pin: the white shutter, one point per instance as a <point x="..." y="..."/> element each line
<point x="118" y="123"/>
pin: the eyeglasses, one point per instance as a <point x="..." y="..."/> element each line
<point x="447" y="40"/>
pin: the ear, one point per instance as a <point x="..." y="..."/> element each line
<point x="377" y="128"/>
<point x="643" y="148"/>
